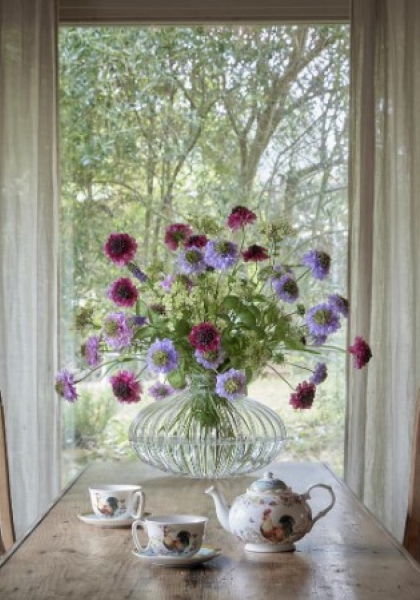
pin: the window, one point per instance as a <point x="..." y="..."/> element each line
<point x="157" y="122"/>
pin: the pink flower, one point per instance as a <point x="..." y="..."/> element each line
<point x="125" y="387"/>
<point x="198" y="241"/>
<point x="120" y="248"/>
<point x="255" y="253"/>
<point x="303" y="396"/>
<point x="361" y="352"/>
<point x="175" y="234"/>
<point x="204" y="337"/>
<point x="239" y="217"/>
<point x="122" y="292"/>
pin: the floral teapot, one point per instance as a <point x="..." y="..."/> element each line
<point x="269" y="516"/>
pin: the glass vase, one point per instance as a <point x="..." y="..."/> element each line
<point x="199" y="434"/>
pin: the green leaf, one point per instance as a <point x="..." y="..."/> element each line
<point x="231" y="303"/>
<point x="182" y="327"/>
<point x="177" y="379"/>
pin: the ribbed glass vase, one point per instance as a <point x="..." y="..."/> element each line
<point x="199" y="434"/>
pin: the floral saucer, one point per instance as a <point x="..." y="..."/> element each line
<point x="92" y="519"/>
<point x="203" y="555"/>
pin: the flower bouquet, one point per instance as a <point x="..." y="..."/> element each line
<point x="229" y="306"/>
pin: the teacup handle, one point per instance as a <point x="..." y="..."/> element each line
<point x="139" y="513"/>
<point x="322" y="513"/>
<point x="134" y="534"/>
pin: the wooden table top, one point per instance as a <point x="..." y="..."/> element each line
<point x="347" y="555"/>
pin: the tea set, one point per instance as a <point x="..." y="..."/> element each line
<point x="267" y="517"/>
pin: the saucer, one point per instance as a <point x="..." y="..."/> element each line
<point x="92" y="519"/>
<point x="203" y="555"/>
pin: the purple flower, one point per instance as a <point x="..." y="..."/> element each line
<point x="319" y="340"/>
<point x="90" y="351"/>
<point x="340" y="304"/>
<point x="221" y="254"/>
<point x="191" y="261"/>
<point x="322" y="319"/>
<point x="120" y="248"/>
<point x="122" y="292"/>
<point x="211" y="359"/>
<point x="303" y="396"/>
<point x="116" y="331"/>
<point x="162" y="356"/>
<point x="64" y="385"/>
<point x="160" y="390"/>
<point x="320" y="374"/>
<point x="230" y="385"/>
<point x="319" y="262"/>
<point x="137" y="272"/>
<point x="137" y="321"/>
<point x="286" y="288"/>
<point x="125" y="387"/>
<point x="167" y="282"/>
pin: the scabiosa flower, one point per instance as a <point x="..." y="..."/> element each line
<point x="210" y="360"/>
<point x="322" y="319"/>
<point x="319" y="262"/>
<point x="137" y="321"/>
<point x="137" y="272"/>
<point x="198" y="241"/>
<point x="125" y="387"/>
<point x="230" y="385"/>
<point x="122" y="292"/>
<point x="120" y="248"/>
<point x="116" y="331"/>
<point x="239" y="217"/>
<point x="320" y="374"/>
<point x="221" y="254"/>
<point x="90" y="351"/>
<point x="318" y="340"/>
<point x="286" y="288"/>
<point x="204" y="337"/>
<point x="160" y="390"/>
<point x="255" y="253"/>
<point x="303" y="396"/>
<point x="361" y="352"/>
<point x="176" y="234"/>
<point x="64" y="385"/>
<point x="340" y="304"/>
<point x="191" y="261"/>
<point x="162" y="356"/>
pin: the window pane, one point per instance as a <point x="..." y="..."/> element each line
<point x="162" y="122"/>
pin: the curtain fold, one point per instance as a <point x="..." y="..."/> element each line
<point x="28" y="252"/>
<point x="385" y="250"/>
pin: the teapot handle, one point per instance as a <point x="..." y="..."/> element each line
<point x="322" y="513"/>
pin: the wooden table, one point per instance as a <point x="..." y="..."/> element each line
<point x="347" y="555"/>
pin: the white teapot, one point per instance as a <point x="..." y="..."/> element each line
<point x="269" y="516"/>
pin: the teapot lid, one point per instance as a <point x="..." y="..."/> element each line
<point x="268" y="483"/>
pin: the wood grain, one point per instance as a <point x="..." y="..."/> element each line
<point x="346" y="556"/>
<point x="7" y="534"/>
<point x="412" y="527"/>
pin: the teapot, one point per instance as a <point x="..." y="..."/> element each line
<point x="269" y="516"/>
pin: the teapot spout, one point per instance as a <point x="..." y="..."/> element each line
<point x="222" y="509"/>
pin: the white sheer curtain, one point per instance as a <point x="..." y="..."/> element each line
<point x="385" y="243"/>
<point x="28" y="252"/>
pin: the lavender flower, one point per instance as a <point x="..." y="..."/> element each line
<point x="64" y="385"/>
<point x="137" y="272"/>
<point x="340" y="304"/>
<point x="319" y="262"/>
<point x="162" y="356"/>
<point x="230" y="385"/>
<point x="90" y="351"/>
<point x="320" y="374"/>
<point x="116" y="331"/>
<point x="286" y="288"/>
<point x="137" y="321"/>
<point x="160" y="390"/>
<point x="221" y="254"/>
<point x="211" y="359"/>
<point x="322" y="319"/>
<point x="167" y="282"/>
<point x="191" y="261"/>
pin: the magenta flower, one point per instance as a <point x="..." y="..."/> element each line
<point x="90" y="350"/>
<point x="361" y="352"/>
<point x="303" y="396"/>
<point x="198" y="241"/>
<point x="122" y="292"/>
<point x="120" y="248"/>
<point x="204" y="337"/>
<point x="176" y="234"/>
<point x="255" y="253"/>
<point x="239" y="217"/>
<point x="64" y="385"/>
<point x="125" y="387"/>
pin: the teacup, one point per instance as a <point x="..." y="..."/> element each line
<point x="171" y="535"/>
<point x="117" y="501"/>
